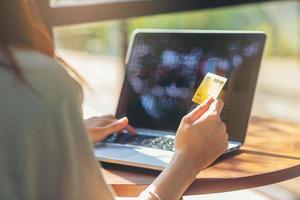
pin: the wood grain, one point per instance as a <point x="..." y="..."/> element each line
<point x="271" y="154"/>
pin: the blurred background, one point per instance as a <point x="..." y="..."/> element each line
<point x="97" y="51"/>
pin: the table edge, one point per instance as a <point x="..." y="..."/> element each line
<point x="215" y="185"/>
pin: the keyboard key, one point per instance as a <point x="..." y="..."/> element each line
<point x="157" y="142"/>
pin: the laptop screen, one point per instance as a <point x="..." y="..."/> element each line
<point x="164" y="71"/>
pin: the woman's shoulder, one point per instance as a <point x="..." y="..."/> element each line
<point x="31" y="59"/>
<point x="45" y="74"/>
<point x="48" y="80"/>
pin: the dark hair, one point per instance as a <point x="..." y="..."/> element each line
<point x="22" y="26"/>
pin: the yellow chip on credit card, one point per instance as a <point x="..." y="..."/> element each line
<point x="211" y="86"/>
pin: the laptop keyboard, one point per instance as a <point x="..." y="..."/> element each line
<point x="157" y="142"/>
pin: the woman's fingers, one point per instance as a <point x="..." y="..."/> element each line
<point x="100" y="133"/>
<point x="213" y="113"/>
<point x="109" y="117"/>
<point x="98" y="121"/>
<point x="217" y="106"/>
<point x="115" y="126"/>
<point x="101" y="127"/>
<point x="131" y="130"/>
<point x="113" y="120"/>
<point x="198" y="111"/>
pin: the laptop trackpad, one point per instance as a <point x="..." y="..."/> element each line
<point x="136" y="156"/>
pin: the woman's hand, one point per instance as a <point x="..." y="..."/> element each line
<point x="202" y="135"/>
<point x="101" y="127"/>
<point x="201" y="138"/>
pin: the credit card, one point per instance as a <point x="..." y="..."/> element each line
<point x="211" y="86"/>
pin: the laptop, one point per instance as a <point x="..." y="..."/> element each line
<point x="163" y="71"/>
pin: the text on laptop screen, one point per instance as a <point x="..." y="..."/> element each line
<point x="164" y="70"/>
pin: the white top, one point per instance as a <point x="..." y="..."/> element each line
<point x="45" y="152"/>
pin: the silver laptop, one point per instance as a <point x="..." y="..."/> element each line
<point x="163" y="70"/>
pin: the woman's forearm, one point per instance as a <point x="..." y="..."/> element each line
<point x="175" y="179"/>
<point x="200" y="139"/>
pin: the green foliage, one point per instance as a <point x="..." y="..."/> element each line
<point x="251" y="17"/>
<point x="106" y="37"/>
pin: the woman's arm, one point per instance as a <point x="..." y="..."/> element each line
<point x="201" y="138"/>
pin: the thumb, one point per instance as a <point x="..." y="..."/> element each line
<point x="215" y="108"/>
<point x="191" y="117"/>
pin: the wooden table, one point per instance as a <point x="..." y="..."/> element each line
<point x="271" y="154"/>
